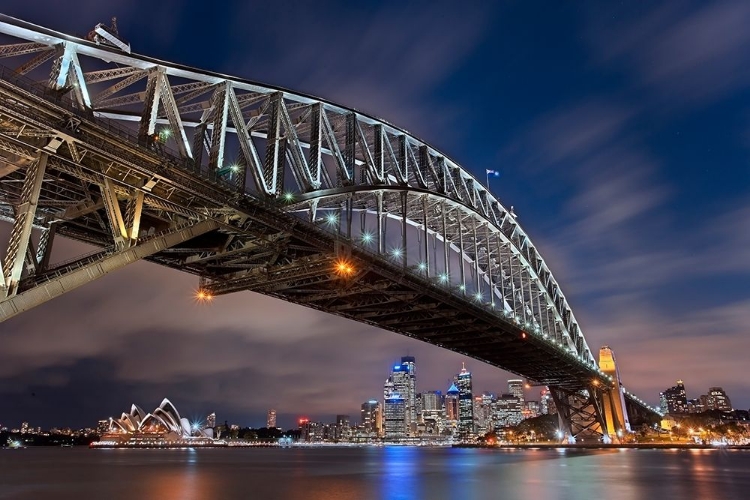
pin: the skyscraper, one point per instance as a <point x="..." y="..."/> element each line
<point x="718" y="400"/>
<point x="394" y="417"/>
<point x="402" y="382"/>
<point x="211" y="421"/>
<point x="409" y="364"/>
<point x="515" y="387"/>
<point x="674" y="399"/>
<point x="451" y="405"/>
<point x="506" y="411"/>
<point x="271" y="419"/>
<point x="546" y="404"/>
<point x="465" y="403"/>
<point x="370" y="416"/>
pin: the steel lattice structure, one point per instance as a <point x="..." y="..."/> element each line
<point x="257" y="188"/>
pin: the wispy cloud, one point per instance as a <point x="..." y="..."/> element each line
<point x="688" y="55"/>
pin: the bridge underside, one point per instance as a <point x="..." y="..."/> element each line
<point x="477" y="286"/>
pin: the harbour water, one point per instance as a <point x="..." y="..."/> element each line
<point x="388" y="473"/>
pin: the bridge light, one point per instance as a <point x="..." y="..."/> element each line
<point x="523" y="335"/>
<point x="332" y="219"/>
<point x="344" y="268"/>
<point x="165" y="132"/>
<point x="288" y="196"/>
<point x="203" y="296"/>
<point x="396" y="252"/>
<point x="478" y="296"/>
<point x="366" y="237"/>
<point x="422" y="266"/>
<point x="596" y="382"/>
<point x="444" y="278"/>
<point x="462" y="288"/>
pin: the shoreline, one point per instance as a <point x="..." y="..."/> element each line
<point x="597" y="446"/>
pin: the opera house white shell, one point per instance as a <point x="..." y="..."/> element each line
<point x="164" y="422"/>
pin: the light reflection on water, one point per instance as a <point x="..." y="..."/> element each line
<point x="389" y="473"/>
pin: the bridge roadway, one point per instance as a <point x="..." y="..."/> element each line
<point x="347" y="214"/>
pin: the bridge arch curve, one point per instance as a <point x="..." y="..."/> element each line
<point x="254" y="187"/>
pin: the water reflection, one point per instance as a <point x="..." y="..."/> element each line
<point x="399" y="479"/>
<point x="390" y="473"/>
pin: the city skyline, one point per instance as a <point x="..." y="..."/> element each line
<point x="601" y="168"/>
<point x="515" y="387"/>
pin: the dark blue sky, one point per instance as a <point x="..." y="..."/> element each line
<point x="622" y="132"/>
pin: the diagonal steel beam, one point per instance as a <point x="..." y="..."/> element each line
<point x="59" y="284"/>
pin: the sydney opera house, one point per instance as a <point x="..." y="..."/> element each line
<point x="162" y="427"/>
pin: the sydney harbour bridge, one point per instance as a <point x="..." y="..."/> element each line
<point x="251" y="187"/>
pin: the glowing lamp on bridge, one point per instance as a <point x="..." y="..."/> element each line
<point x="288" y="196"/>
<point x="332" y="219"/>
<point x="366" y="237"/>
<point x="344" y="268"/>
<point x="203" y="296"/>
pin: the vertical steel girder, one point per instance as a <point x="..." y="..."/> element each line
<point x="60" y="284"/>
<point x="114" y="214"/>
<point x="579" y="413"/>
<point x="220" y="105"/>
<point x="271" y="182"/>
<point x="249" y="152"/>
<point x="44" y="249"/>
<point x="21" y="233"/>
<point x="159" y="91"/>
<point x="67" y="73"/>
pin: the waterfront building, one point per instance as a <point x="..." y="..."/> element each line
<point x="546" y="404"/>
<point x="531" y="409"/>
<point x="271" y="419"/>
<point x="311" y="432"/>
<point x="718" y="400"/>
<point x="402" y="382"/>
<point x="433" y="414"/>
<point x="24" y="427"/>
<point x="674" y="399"/>
<point x="506" y="411"/>
<point x="394" y="417"/>
<point x="451" y="405"/>
<point x="409" y="365"/>
<point x="163" y="424"/>
<point x="465" y="403"/>
<point x="343" y="428"/>
<point x="515" y="387"/>
<point x="370" y="416"/>
<point x="102" y="427"/>
<point x="211" y="421"/>
<point x="481" y="417"/>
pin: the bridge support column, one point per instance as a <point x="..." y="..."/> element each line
<point x="86" y="271"/>
<point x="20" y="235"/>
<point x="579" y="413"/>
<point x="613" y="400"/>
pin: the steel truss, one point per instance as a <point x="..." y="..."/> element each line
<point x="114" y="147"/>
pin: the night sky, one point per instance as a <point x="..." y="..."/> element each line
<point x="622" y="134"/>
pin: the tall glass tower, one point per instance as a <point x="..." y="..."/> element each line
<point x="465" y="403"/>
<point x="402" y="383"/>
